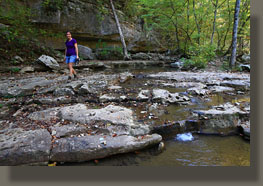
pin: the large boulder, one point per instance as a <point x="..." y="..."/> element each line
<point x="144" y="95"/>
<point x="141" y="56"/>
<point x="85" y="52"/>
<point x="79" y="149"/>
<point x="19" y="147"/>
<point x="111" y="113"/>
<point x="47" y="62"/>
<point x="116" y="118"/>
<point x="166" y="96"/>
<point x="23" y="87"/>
<point x="222" y="119"/>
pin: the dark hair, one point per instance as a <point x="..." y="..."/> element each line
<point x="68" y="32"/>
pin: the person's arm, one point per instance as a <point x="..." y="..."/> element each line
<point x="77" y="50"/>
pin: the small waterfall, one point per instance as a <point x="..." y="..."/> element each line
<point x="185" y="137"/>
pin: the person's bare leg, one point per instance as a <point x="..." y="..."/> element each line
<point x="70" y="69"/>
<point x="74" y="72"/>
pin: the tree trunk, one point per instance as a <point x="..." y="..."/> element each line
<point x="187" y="25"/>
<point x="228" y="28"/>
<point x="196" y="22"/>
<point x="234" y="40"/>
<point x="214" y="22"/>
<point x="125" y="52"/>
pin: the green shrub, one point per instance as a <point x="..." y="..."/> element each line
<point x="105" y="52"/>
<point x="200" y="55"/>
<point x="15" y="70"/>
<point x="225" y="67"/>
<point x="51" y="6"/>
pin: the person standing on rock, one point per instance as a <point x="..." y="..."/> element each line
<point x="71" y="54"/>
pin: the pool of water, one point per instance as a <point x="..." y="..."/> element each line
<point x="202" y="151"/>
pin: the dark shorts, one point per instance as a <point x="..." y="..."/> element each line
<point x="71" y="59"/>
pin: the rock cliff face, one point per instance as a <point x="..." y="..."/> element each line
<point x="88" y="25"/>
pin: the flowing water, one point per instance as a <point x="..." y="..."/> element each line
<point x="202" y="151"/>
<point x="198" y="150"/>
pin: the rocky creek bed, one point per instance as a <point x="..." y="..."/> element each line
<point x="45" y="118"/>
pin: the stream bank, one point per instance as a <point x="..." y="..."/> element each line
<point x="45" y="118"/>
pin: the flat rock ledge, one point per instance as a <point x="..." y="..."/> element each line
<point x="91" y="134"/>
<point x="18" y="147"/>
<point x="79" y="149"/>
<point x="222" y="119"/>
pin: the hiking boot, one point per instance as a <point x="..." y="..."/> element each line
<point x="69" y="77"/>
<point x="75" y="76"/>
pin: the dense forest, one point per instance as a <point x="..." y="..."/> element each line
<point x="201" y="30"/>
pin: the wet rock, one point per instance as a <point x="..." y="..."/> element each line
<point x="237" y="84"/>
<point x="141" y="56"/>
<point x="68" y="130"/>
<point x="166" y="96"/>
<point x="23" y="87"/>
<point x="45" y="115"/>
<point x="92" y="65"/>
<point x="86" y="69"/>
<point x="177" y="65"/>
<point x="64" y="71"/>
<point x="139" y="130"/>
<point x="18" y="60"/>
<point x="184" y="85"/>
<point x="79" y="149"/>
<point x="5" y="111"/>
<point x="123" y="98"/>
<point x="63" y="92"/>
<point x="245" y="129"/>
<point x="107" y="98"/>
<point x="47" y="61"/>
<point x="198" y="91"/>
<point x="85" y="52"/>
<point x="84" y="89"/>
<point x="203" y="77"/>
<point x="53" y="100"/>
<point x="154" y="56"/>
<point x="245" y="68"/>
<point x="125" y="77"/>
<point x="215" y="89"/>
<point x="74" y="85"/>
<point x="144" y="95"/>
<point x="27" y="69"/>
<point x="115" y="116"/>
<point x="114" y="87"/>
<point x="19" y="147"/>
<point x="112" y="114"/>
<point x="222" y="119"/>
<point x="167" y="129"/>
<point x="246" y="58"/>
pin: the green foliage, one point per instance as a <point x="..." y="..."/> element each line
<point x="200" y="56"/>
<point x="18" y="17"/>
<point x="177" y="22"/>
<point x="1" y="105"/>
<point x="53" y="5"/>
<point x="225" y="67"/>
<point x="105" y="52"/>
<point x="15" y="70"/>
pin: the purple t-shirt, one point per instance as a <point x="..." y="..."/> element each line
<point x="71" y="47"/>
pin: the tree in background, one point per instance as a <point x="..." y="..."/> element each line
<point x="125" y="52"/>
<point x="234" y="40"/>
